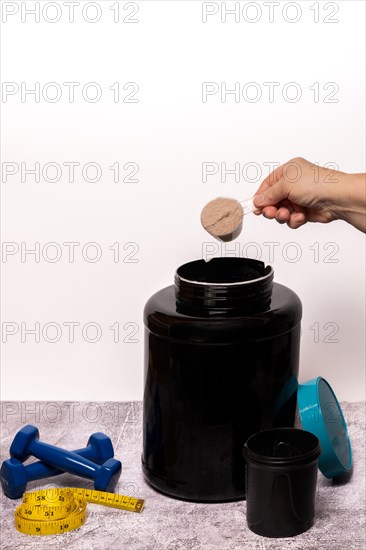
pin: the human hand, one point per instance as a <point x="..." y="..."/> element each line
<point x="298" y="192"/>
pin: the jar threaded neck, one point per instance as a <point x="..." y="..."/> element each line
<point x="223" y="286"/>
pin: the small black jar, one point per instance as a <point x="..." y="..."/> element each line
<point x="281" y="475"/>
<point x="221" y="363"/>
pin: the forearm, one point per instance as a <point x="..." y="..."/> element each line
<point x="349" y="200"/>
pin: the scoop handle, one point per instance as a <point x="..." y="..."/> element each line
<point x="248" y="206"/>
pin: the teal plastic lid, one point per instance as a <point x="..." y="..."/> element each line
<point x="321" y="414"/>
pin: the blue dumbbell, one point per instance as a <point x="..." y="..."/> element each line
<point x="14" y="475"/>
<point x="26" y="443"/>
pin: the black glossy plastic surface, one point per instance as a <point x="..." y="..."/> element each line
<point x="281" y="475"/>
<point x="211" y="381"/>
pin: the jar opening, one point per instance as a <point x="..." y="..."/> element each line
<point x="224" y="271"/>
<point x="278" y="445"/>
<point x="223" y="286"/>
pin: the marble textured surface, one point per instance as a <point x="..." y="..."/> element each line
<point x="167" y="523"/>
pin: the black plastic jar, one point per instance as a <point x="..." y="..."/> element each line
<point x="221" y="363"/>
<point x="281" y="475"/>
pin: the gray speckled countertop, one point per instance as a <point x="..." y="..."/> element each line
<point x="167" y="523"/>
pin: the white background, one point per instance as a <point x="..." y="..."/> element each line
<point x="169" y="133"/>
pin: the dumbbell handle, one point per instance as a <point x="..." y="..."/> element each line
<point x="41" y="470"/>
<point x="64" y="460"/>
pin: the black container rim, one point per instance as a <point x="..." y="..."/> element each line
<point x="303" y="459"/>
<point x="268" y="275"/>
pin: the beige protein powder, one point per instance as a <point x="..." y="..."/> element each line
<point x="223" y="218"/>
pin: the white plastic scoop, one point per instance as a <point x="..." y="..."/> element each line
<point x="223" y="217"/>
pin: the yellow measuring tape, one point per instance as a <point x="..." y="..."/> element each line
<point x="54" y="511"/>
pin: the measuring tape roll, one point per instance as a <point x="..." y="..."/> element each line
<point x="54" y="511"/>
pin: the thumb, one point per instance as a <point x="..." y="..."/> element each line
<point x="275" y="194"/>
